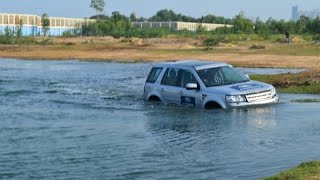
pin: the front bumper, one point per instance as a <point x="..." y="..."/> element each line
<point x="273" y="100"/>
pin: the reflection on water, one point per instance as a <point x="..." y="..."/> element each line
<point x="258" y="117"/>
<point x="80" y="120"/>
<point x="186" y="120"/>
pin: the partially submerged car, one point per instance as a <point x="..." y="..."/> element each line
<point x="205" y="85"/>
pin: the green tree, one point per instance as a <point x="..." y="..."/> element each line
<point x="133" y="17"/>
<point x="213" y="19"/>
<point x="200" y="29"/>
<point x="242" y="24"/>
<point x="98" y="5"/>
<point x="164" y="15"/>
<point x="45" y="22"/>
<point x="116" y="16"/>
<point x="169" y="15"/>
<point x="301" y="24"/>
<point x="313" y="26"/>
<point x="19" y="30"/>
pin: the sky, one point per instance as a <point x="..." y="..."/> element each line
<point x="278" y="9"/>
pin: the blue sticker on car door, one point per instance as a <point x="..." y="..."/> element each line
<point x="187" y="100"/>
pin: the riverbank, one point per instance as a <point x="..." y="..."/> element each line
<point x="299" y="54"/>
<point x="296" y="55"/>
<point x="307" y="170"/>
<point x="306" y="82"/>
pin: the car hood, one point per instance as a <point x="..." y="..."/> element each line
<point x="241" y="88"/>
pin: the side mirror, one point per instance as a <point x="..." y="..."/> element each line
<point x="192" y="86"/>
<point x="247" y="76"/>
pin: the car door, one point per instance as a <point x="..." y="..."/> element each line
<point x="190" y="97"/>
<point x="170" y="86"/>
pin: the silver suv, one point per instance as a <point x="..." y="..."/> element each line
<point x="205" y="85"/>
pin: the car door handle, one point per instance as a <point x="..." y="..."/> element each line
<point x="180" y="92"/>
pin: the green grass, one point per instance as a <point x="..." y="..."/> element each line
<point x="307" y="170"/>
<point x="295" y="50"/>
<point x="292" y="83"/>
<point x="245" y="47"/>
<point x="309" y="89"/>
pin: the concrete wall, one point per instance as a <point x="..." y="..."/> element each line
<point x="195" y="26"/>
<point x="32" y="24"/>
<point x="178" y="25"/>
<point x="171" y="25"/>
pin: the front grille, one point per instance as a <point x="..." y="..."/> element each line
<point x="259" y="96"/>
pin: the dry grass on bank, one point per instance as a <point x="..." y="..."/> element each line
<point x="297" y="55"/>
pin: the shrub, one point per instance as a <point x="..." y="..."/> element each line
<point x="316" y="37"/>
<point x="215" y="40"/>
<point x="280" y="40"/>
<point x="67" y="33"/>
<point x="257" y="46"/>
<point x="46" y="41"/>
<point x="207" y="49"/>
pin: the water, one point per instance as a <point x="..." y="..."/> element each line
<point x="86" y="120"/>
<point x="270" y="70"/>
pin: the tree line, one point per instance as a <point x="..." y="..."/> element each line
<point x="119" y="25"/>
<point x="169" y="15"/>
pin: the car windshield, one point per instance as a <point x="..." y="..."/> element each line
<point x="220" y="76"/>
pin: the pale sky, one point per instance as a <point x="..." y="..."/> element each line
<point x="279" y="9"/>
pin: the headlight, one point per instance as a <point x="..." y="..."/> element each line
<point x="273" y="92"/>
<point x="236" y="99"/>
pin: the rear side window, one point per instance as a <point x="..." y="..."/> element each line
<point x="178" y="78"/>
<point x="170" y="78"/>
<point x="154" y="74"/>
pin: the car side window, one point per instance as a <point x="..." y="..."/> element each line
<point x="187" y="77"/>
<point x="154" y="74"/>
<point x="170" y="78"/>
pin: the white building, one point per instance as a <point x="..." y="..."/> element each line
<point x="32" y="26"/>
<point x="176" y="25"/>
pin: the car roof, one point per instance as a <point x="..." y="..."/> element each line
<point x="196" y="64"/>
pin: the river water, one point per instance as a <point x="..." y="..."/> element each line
<point x="87" y="120"/>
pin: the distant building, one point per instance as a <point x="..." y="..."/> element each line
<point x="179" y="25"/>
<point x="311" y="14"/>
<point x="31" y="24"/>
<point x="295" y="13"/>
